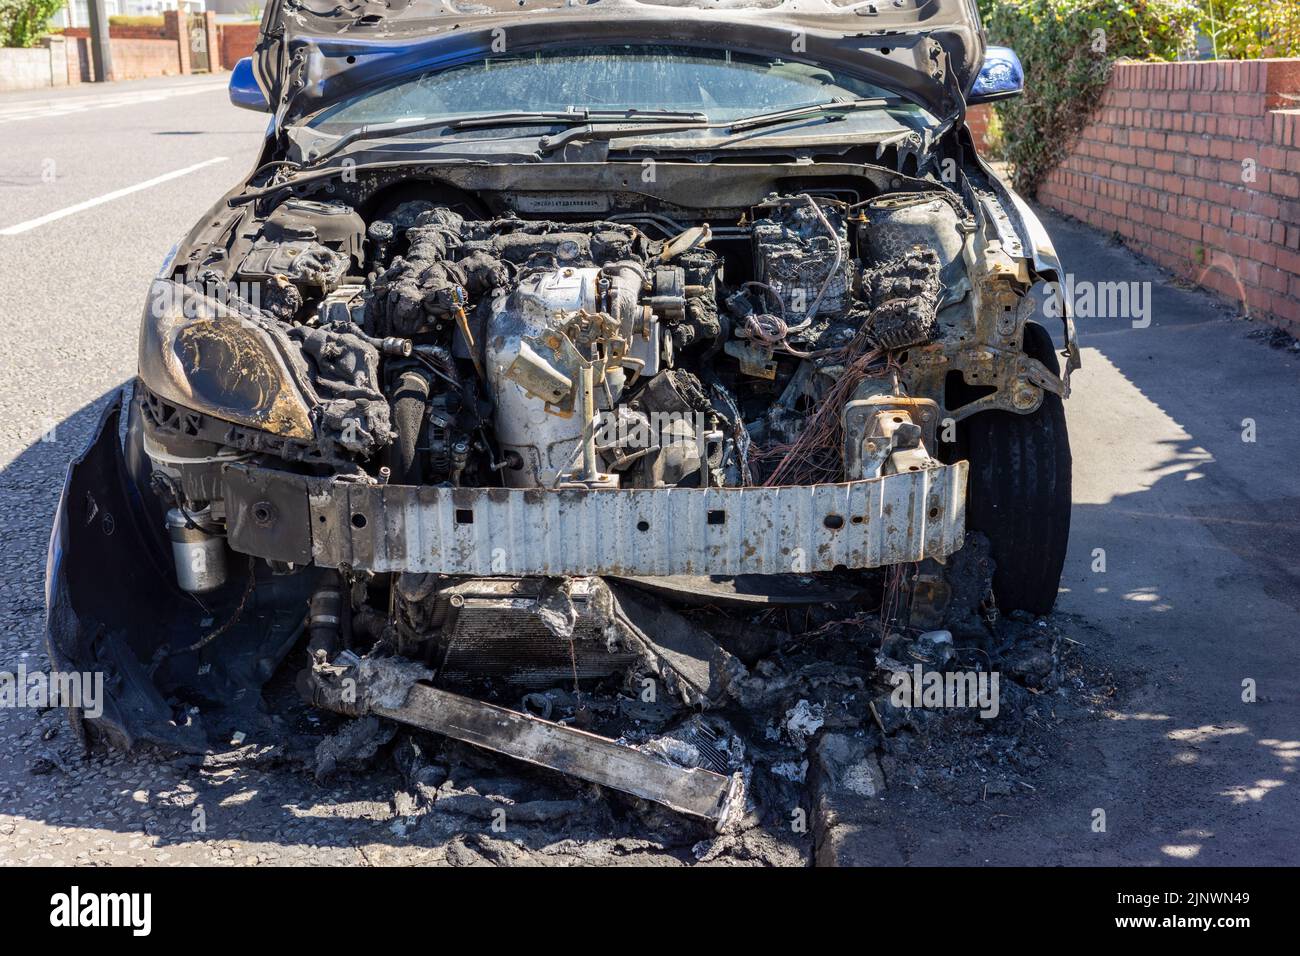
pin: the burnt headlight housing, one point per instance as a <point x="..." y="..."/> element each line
<point x="200" y="353"/>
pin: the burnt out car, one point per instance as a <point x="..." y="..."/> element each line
<point x="538" y="326"/>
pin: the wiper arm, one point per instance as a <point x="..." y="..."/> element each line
<point x="612" y="130"/>
<point x="577" y="116"/>
<point x="683" y="121"/>
<point x="838" y="106"/>
<point x="380" y="130"/>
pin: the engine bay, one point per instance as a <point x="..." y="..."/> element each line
<point x="632" y="351"/>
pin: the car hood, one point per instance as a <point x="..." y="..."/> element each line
<point x="312" y="53"/>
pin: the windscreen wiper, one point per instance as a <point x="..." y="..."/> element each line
<point x="834" y="106"/>
<point x="579" y="116"/>
<point x="487" y="120"/>
<point x="613" y="129"/>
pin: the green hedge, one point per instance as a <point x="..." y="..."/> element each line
<point x="23" y="22"/>
<point x="123" y="20"/>
<point x="1067" y="48"/>
<point x="1249" y="29"/>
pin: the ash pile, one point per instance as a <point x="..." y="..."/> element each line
<point x="725" y="726"/>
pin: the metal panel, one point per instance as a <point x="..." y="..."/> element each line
<point x="500" y="531"/>
<point x="696" y="791"/>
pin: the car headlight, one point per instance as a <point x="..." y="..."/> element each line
<point x="197" y="352"/>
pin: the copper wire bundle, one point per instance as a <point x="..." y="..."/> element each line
<point x="817" y="455"/>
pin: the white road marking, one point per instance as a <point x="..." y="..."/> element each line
<point x="62" y="106"/>
<point x="107" y="197"/>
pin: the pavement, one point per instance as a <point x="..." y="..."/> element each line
<point x="1182" y="586"/>
<point x="1183" y="582"/>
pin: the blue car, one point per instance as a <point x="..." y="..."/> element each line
<point x="532" y="328"/>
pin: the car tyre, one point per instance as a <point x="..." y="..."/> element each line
<point x="1018" y="492"/>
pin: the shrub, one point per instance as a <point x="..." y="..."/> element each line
<point x="1249" y="29"/>
<point x="1067" y="48"/>
<point x="129" y="21"/>
<point x="23" y="22"/>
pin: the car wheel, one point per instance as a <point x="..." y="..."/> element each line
<point x="1018" y="493"/>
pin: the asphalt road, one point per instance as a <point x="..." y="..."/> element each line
<point x="1200" y="532"/>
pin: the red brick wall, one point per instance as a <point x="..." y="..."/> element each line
<point x="977" y="119"/>
<point x="213" y="40"/>
<point x="78" y="60"/>
<point x="119" y="32"/>
<point x="237" y="40"/>
<point x="137" y="59"/>
<point x="132" y="59"/>
<point x="174" y="29"/>
<point x="1197" y="166"/>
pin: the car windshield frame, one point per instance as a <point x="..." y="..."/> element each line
<point x="398" y="101"/>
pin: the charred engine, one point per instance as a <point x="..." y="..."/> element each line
<point x="541" y="354"/>
<point x="433" y="348"/>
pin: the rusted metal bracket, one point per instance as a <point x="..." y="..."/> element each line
<point x="694" y="791"/>
<point x="888" y="434"/>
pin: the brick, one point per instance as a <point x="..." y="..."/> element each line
<point x="1266" y="254"/>
<point x="1187" y="228"/>
<point x="1259" y="300"/>
<point x="1274" y="280"/>
<point x="1247" y="104"/>
<point x="1272" y="157"/>
<point x="1284" y="185"/>
<point x="1218" y="280"/>
<point x="1282" y="77"/>
<point x="1286" y="313"/>
<point x="1230" y="172"/>
<point x="1287" y="260"/>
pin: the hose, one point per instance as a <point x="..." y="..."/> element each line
<point x="410" y="405"/>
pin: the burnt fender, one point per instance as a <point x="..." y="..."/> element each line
<point x="113" y="607"/>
